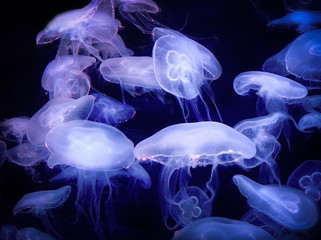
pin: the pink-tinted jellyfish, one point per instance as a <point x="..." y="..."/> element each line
<point x="41" y="203"/>
<point x="189" y="145"/>
<point x="219" y="228"/>
<point x="303" y="58"/>
<point x="14" y="129"/>
<point x="307" y="177"/>
<point x="276" y="91"/>
<point x="182" y="66"/>
<point x="310" y="122"/>
<point x="96" y="152"/>
<point x="285" y="205"/>
<point x="64" y="77"/>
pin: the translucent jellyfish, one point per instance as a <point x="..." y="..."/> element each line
<point x="307" y="177"/>
<point x="302" y="5"/>
<point x="3" y="152"/>
<point x="55" y="112"/>
<point x="8" y="232"/>
<point x="30" y="233"/>
<point x="64" y="77"/>
<point x="312" y="103"/>
<point x="188" y="145"/>
<point x="310" y="121"/>
<point x="304" y="21"/>
<point x="285" y="205"/>
<point x="108" y="110"/>
<point x="221" y="228"/>
<point x="99" y="152"/>
<point x="303" y="58"/>
<point x="276" y="91"/>
<point x="182" y="67"/>
<point x="41" y="203"/>
<point x="14" y="129"/>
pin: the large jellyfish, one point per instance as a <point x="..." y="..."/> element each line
<point x="221" y="228"/>
<point x="276" y="91"/>
<point x="182" y="66"/>
<point x="41" y="203"/>
<point x="188" y="145"/>
<point x="98" y="152"/>
<point x="307" y="177"/>
<point x="285" y="205"/>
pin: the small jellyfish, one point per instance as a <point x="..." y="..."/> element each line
<point x="3" y="152"/>
<point x="30" y="233"/>
<point x="189" y="145"/>
<point x="303" y="58"/>
<point x="307" y="177"/>
<point x="222" y="229"/>
<point x="302" y="5"/>
<point x="14" y="129"/>
<point x="276" y="91"/>
<point x="285" y="205"/>
<point x="312" y="103"/>
<point x="55" y="112"/>
<point x="41" y="203"/>
<point x="310" y="122"/>
<point x="8" y="232"/>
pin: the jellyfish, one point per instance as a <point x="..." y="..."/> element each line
<point x="302" y="5"/>
<point x="41" y="203"/>
<point x="285" y="205"/>
<point x="182" y="67"/>
<point x="310" y="122"/>
<point x="3" y="152"/>
<point x="99" y="152"/>
<point x="55" y="112"/>
<point x="304" y="21"/>
<point x="303" y="58"/>
<point x="30" y="233"/>
<point x="184" y="146"/>
<point x="307" y="177"/>
<point x="14" y="129"/>
<point x="276" y="91"/>
<point x="221" y="228"/>
<point x="64" y="77"/>
<point x="312" y="103"/>
<point x="8" y="232"/>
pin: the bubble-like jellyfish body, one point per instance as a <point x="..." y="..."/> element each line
<point x="307" y="177"/>
<point x="41" y="203"/>
<point x="14" y="129"/>
<point x="310" y="121"/>
<point x="221" y="228"/>
<point x="182" y="146"/>
<point x="64" y="77"/>
<point x="276" y="91"/>
<point x="304" y="21"/>
<point x="285" y="205"/>
<point x="3" y="152"/>
<point x="110" y="111"/>
<point x="30" y="233"/>
<point x="134" y="74"/>
<point x="303" y="58"/>
<point x="182" y="67"/>
<point x="99" y="152"/>
<point x="55" y="112"/>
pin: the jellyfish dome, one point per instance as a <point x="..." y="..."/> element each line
<point x="310" y="122"/>
<point x="303" y="58"/>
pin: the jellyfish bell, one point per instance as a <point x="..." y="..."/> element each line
<point x="310" y="122"/>
<point x="32" y="233"/>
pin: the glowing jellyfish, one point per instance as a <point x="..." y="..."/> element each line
<point x="312" y="103"/>
<point x="109" y="111"/>
<point x="303" y="58"/>
<point x="285" y="205"/>
<point x="55" y="112"/>
<point x="188" y="145"/>
<point x="41" y="203"/>
<point x="310" y="121"/>
<point x="221" y="228"/>
<point x="64" y="77"/>
<point x="14" y="129"/>
<point x="304" y="21"/>
<point x="307" y="177"/>
<point x="99" y="152"/>
<point x="276" y="91"/>
<point x="182" y="67"/>
<point x="30" y="233"/>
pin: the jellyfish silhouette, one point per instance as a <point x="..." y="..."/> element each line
<point x="285" y="205"/>
<point x="99" y="152"/>
<point x="182" y="66"/>
<point x="276" y="91"/>
<point x="188" y="145"/>
<point x="310" y="122"/>
<point x="14" y="129"/>
<point x="221" y="228"/>
<point x="41" y="203"/>
<point x="303" y="58"/>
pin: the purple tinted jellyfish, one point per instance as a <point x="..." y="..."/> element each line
<point x="14" y="129"/>
<point x="188" y="145"/>
<point x="55" y="112"/>
<point x="221" y="228"/>
<point x="3" y="152"/>
<point x="182" y="67"/>
<point x="310" y="121"/>
<point x="41" y="203"/>
<point x="307" y="177"/>
<point x="30" y="233"/>
<point x="276" y="91"/>
<point x="303" y="58"/>
<point x="8" y="232"/>
<point x="285" y="205"/>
